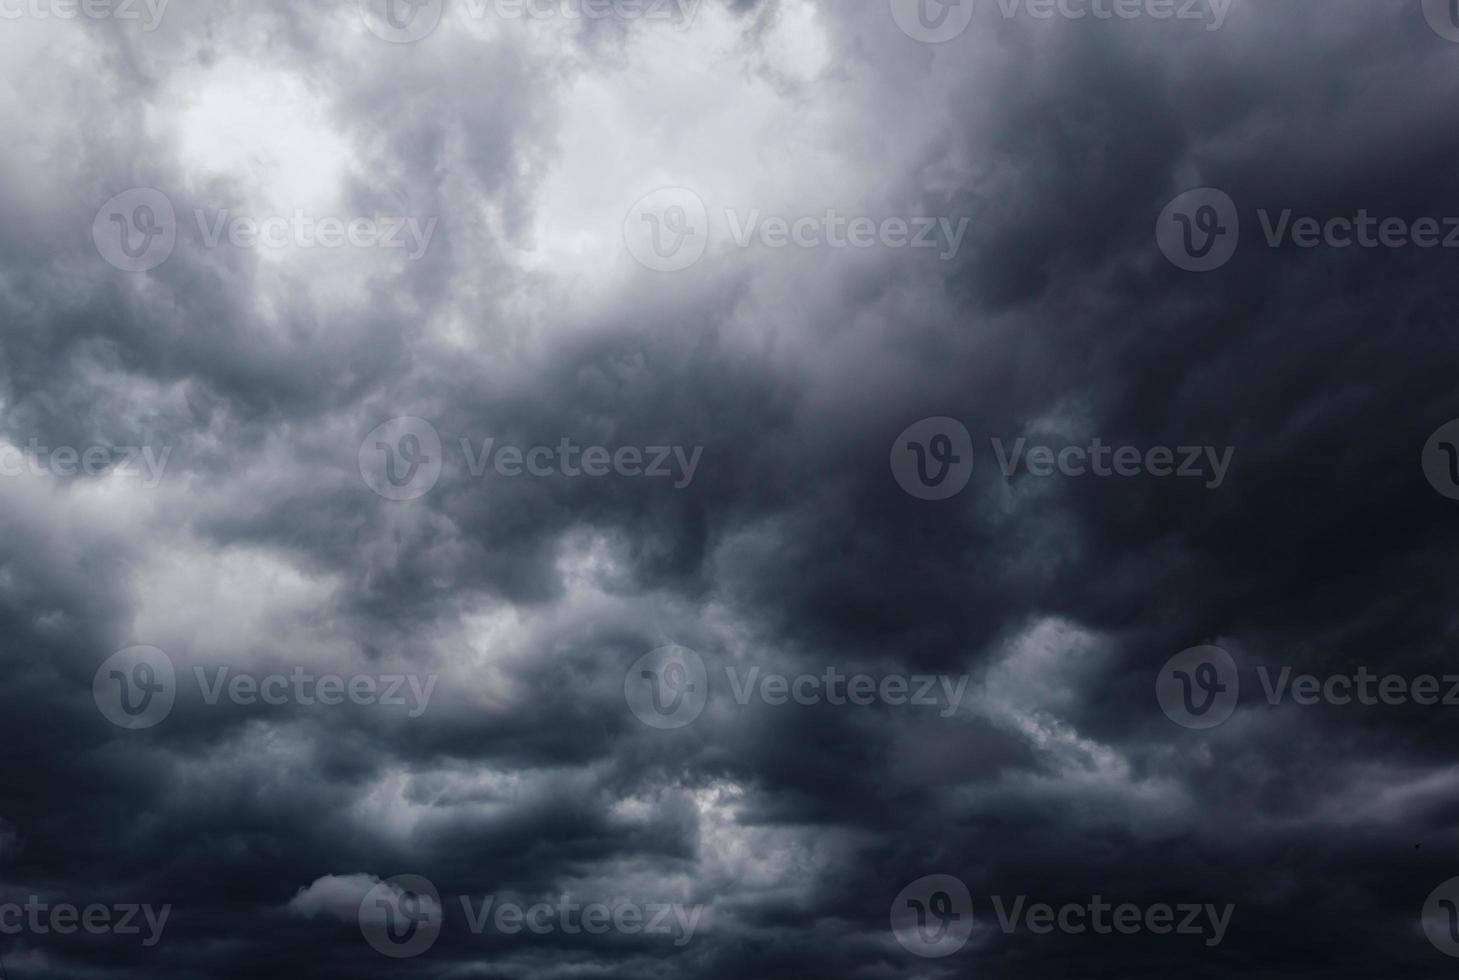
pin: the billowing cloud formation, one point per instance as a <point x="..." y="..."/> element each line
<point x="423" y="397"/>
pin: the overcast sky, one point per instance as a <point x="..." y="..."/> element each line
<point x="429" y="435"/>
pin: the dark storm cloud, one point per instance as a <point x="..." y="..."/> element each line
<point x="792" y="550"/>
